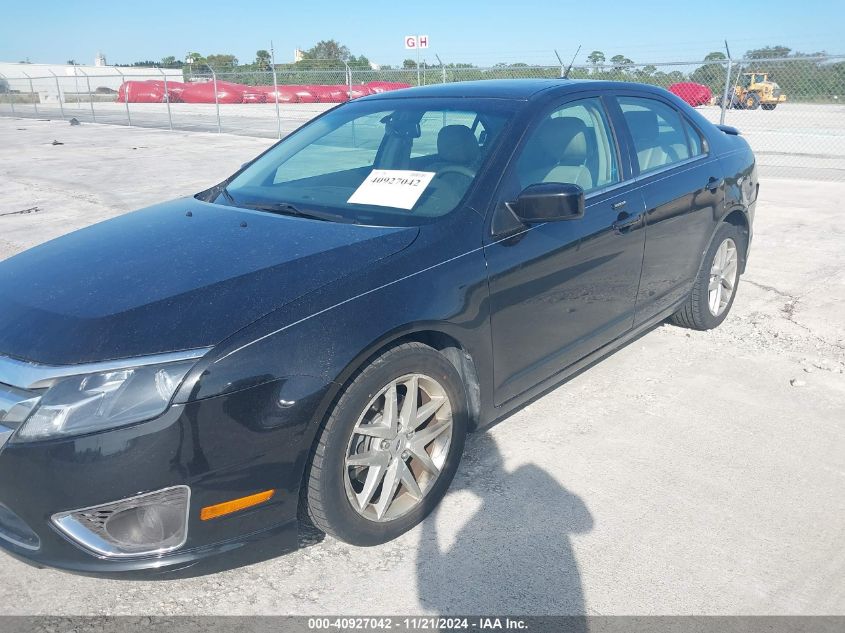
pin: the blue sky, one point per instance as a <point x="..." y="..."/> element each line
<point x="460" y="31"/>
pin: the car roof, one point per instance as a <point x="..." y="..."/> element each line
<point x="516" y="89"/>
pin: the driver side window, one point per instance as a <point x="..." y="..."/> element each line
<point x="574" y="144"/>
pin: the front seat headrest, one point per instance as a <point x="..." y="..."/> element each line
<point x="643" y="126"/>
<point x="457" y="144"/>
<point x="565" y="139"/>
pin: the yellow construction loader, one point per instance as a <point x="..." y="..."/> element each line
<point x="754" y="90"/>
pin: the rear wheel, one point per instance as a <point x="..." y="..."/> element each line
<point x="751" y="101"/>
<point x="715" y="285"/>
<point x="769" y="106"/>
<point x="390" y="447"/>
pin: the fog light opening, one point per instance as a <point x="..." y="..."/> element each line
<point x="149" y="524"/>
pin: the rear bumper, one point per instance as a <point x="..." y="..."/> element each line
<point x="222" y="448"/>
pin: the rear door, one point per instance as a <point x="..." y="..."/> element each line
<point x="683" y="188"/>
<point x="560" y="290"/>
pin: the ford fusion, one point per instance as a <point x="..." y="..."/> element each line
<point x="183" y="387"/>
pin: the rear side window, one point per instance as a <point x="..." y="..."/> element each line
<point x="696" y="145"/>
<point x="658" y="132"/>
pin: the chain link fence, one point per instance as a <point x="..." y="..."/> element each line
<point x="791" y="110"/>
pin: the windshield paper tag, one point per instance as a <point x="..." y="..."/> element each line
<point x="398" y="188"/>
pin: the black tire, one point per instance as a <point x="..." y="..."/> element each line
<point x="769" y="106"/>
<point x="751" y="101"/>
<point x="695" y="313"/>
<point x="324" y="494"/>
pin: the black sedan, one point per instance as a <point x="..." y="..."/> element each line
<point x="182" y="387"/>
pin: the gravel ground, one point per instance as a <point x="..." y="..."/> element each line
<point x="688" y="473"/>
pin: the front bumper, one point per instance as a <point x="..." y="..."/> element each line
<point x="222" y="448"/>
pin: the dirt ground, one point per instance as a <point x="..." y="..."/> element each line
<point x="688" y="473"/>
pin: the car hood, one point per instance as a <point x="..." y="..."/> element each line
<point x="178" y="275"/>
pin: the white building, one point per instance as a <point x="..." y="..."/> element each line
<point x="48" y="80"/>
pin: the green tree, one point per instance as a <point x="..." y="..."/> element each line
<point x="711" y="75"/>
<point x="195" y="58"/>
<point x="361" y="62"/>
<point x="596" y="59"/>
<point x="409" y="63"/>
<point x="645" y="74"/>
<point x="327" y="49"/>
<point x="223" y="61"/>
<point x="262" y="59"/>
<point x="620" y="62"/>
<point x="768" y="52"/>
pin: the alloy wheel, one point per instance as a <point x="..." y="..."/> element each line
<point x="398" y="447"/>
<point x="724" y="274"/>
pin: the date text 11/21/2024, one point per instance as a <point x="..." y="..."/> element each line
<point x="421" y="623"/>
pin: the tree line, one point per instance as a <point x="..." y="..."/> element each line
<point x="800" y="75"/>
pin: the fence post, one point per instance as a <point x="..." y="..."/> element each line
<point x="167" y="99"/>
<point x="560" y="61"/>
<point x="58" y="93"/>
<point x="32" y="90"/>
<point x="442" y="69"/>
<point x="276" y="91"/>
<point x="348" y="81"/>
<point x="125" y="96"/>
<point x="216" y="97"/>
<point x="90" y="96"/>
<point x="726" y="97"/>
<point x="11" y="98"/>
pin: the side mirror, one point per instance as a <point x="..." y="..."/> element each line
<point x="548" y="202"/>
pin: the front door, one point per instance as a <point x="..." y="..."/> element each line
<point x="560" y="290"/>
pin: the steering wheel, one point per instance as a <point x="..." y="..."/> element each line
<point x="456" y="169"/>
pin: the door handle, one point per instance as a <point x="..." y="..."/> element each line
<point x="624" y="223"/>
<point x="714" y="183"/>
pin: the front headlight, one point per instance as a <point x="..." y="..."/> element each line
<point x="104" y="400"/>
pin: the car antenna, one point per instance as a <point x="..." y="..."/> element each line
<point x="566" y="74"/>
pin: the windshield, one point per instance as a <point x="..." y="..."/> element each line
<point x="390" y="162"/>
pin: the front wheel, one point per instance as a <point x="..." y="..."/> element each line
<point x="390" y="447"/>
<point x="714" y="289"/>
<point x="769" y="106"/>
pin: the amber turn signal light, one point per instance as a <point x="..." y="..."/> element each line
<point x="235" y="505"/>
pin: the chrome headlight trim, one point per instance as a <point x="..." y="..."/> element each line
<point x="27" y="375"/>
<point x="70" y="400"/>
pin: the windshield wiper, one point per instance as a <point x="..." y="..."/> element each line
<point x="228" y="196"/>
<point x="286" y="208"/>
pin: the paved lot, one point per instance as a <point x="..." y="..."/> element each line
<point x="795" y="140"/>
<point x="685" y="474"/>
